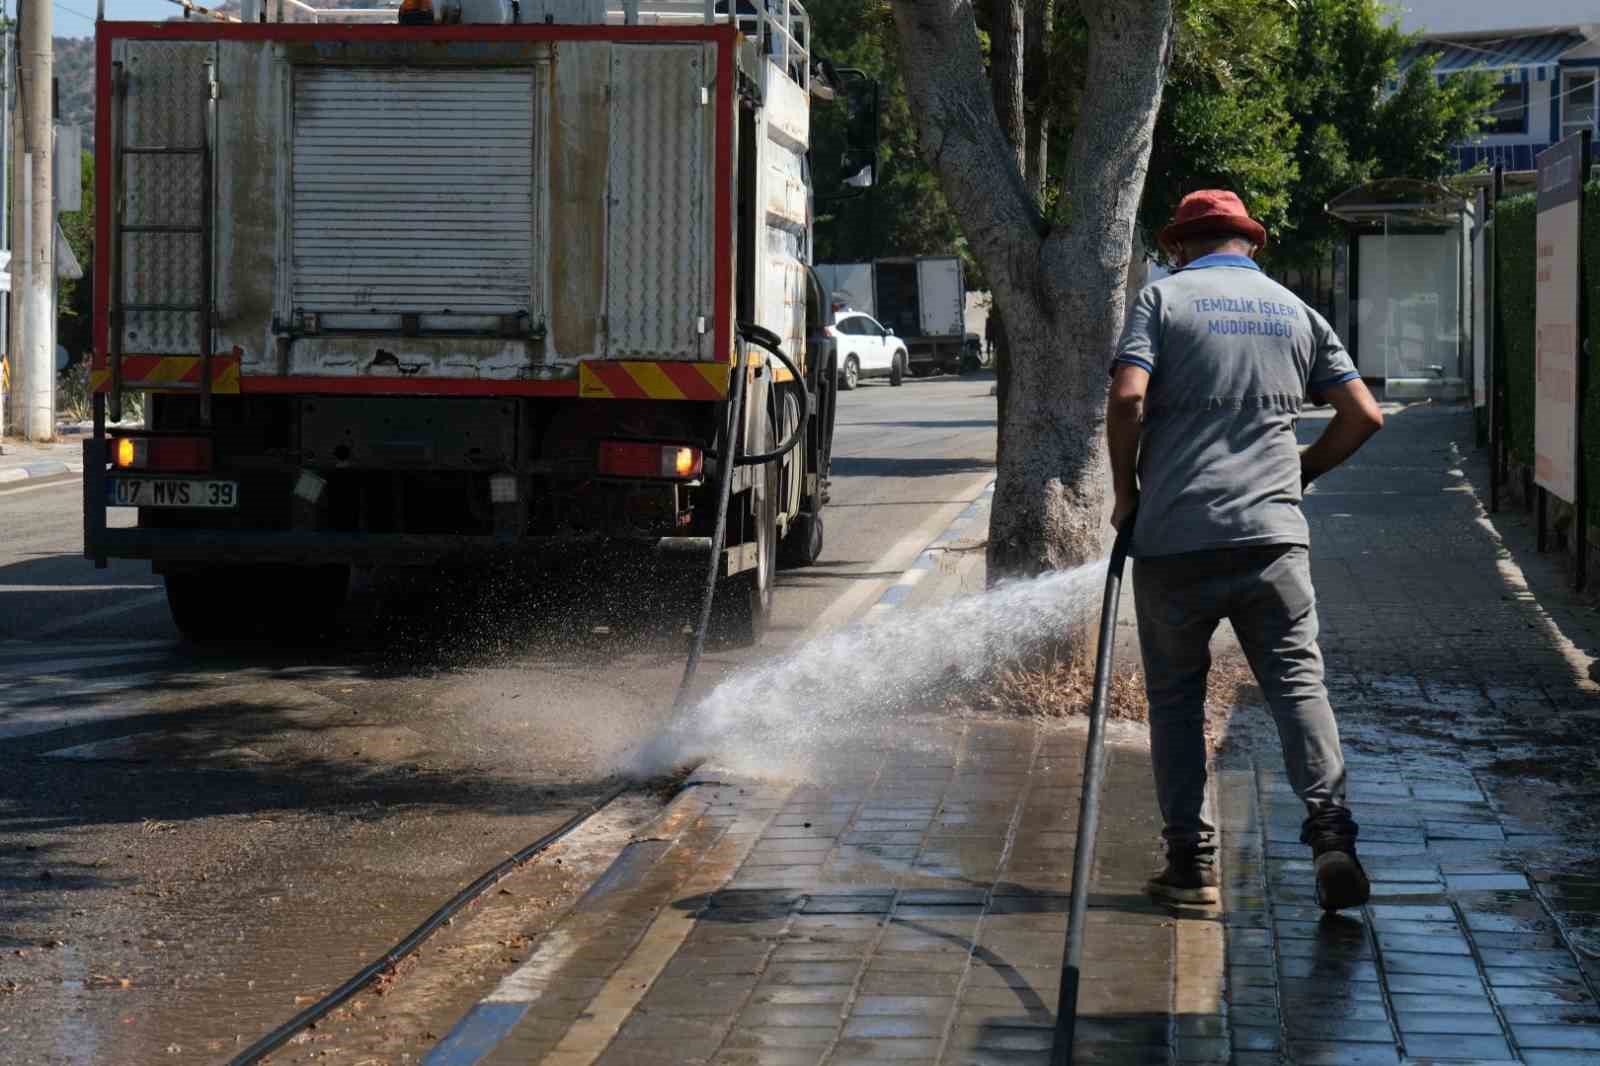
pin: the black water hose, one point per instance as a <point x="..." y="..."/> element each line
<point x="766" y="339"/>
<point x="719" y="530"/>
<point x="413" y="940"/>
<point x="1094" y="766"/>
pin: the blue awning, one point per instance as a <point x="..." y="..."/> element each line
<point x="1511" y="59"/>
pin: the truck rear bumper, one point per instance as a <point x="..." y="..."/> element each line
<point x="314" y="547"/>
<point x="252" y="547"/>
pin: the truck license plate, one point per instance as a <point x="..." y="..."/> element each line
<point x="171" y="492"/>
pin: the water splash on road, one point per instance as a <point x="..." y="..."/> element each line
<point x="859" y="683"/>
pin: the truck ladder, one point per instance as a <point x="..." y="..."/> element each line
<point x="201" y="154"/>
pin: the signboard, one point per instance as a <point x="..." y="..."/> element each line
<point x="1562" y="169"/>
<point x="68" y="163"/>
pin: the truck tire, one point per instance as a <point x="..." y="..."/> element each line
<point x="802" y="546"/>
<point x="206" y="606"/>
<point x="743" y="604"/>
<point x="292" y="604"/>
<point x="850" y="376"/>
<point x="897" y="372"/>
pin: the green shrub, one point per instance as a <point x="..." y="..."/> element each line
<point x="1590" y="244"/>
<point x="1514" y="223"/>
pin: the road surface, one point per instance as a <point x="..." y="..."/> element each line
<point x="192" y="840"/>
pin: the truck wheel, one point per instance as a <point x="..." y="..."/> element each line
<point x="305" y="602"/>
<point x="294" y="604"/>
<point x="851" y="376"/>
<point x="897" y="372"/>
<point x="803" y="544"/>
<point x="206" y="606"/>
<point x="744" y="601"/>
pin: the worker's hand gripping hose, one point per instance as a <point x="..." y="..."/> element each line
<point x="729" y="458"/>
<point x="1094" y="764"/>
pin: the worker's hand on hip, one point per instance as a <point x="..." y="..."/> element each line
<point x="1123" y="509"/>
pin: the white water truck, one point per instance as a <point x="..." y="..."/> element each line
<point x="414" y="286"/>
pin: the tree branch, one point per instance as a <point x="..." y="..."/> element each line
<point x="1039" y="24"/>
<point x="1110" y="150"/>
<point x="962" y="137"/>
<point x="1005" y="72"/>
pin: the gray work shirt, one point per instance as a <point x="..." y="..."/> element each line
<point x="1232" y="355"/>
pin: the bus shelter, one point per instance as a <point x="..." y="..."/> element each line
<point x="1403" y="287"/>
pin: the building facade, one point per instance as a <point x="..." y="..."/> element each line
<point x="1544" y="56"/>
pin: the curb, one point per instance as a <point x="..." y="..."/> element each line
<point x="48" y="468"/>
<point x="897" y="594"/>
<point x="493" y="1017"/>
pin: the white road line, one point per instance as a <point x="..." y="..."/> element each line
<point x="11" y="589"/>
<point x="23" y="651"/>
<point x="72" y="483"/>
<point x="136" y="603"/>
<point x="529" y="981"/>
<point x="899" y="557"/>
<point x="42" y="668"/>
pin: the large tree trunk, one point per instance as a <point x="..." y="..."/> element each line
<point x="1061" y="290"/>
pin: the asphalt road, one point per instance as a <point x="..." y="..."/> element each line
<point x="190" y="841"/>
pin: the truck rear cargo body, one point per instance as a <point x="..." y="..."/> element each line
<point x="403" y="292"/>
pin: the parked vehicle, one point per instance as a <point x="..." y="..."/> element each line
<point x="922" y="299"/>
<point x="412" y="294"/>
<point x="866" y="349"/>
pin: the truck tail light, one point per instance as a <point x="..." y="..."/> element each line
<point x="627" y="459"/>
<point x="161" y="453"/>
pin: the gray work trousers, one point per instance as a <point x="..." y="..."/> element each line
<point x="1266" y="593"/>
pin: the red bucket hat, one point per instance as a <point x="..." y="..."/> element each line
<point x="1210" y="212"/>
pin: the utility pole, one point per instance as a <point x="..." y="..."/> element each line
<point x="6" y="80"/>
<point x="37" y="314"/>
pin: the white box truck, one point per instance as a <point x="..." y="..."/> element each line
<point x="922" y="299"/>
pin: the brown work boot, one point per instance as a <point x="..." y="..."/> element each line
<point x="1189" y="878"/>
<point x="1341" y="881"/>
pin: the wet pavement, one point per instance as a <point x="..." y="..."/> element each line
<point x="912" y="909"/>
<point x="906" y="904"/>
<point x="1459" y="665"/>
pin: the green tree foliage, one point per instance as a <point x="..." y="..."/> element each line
<point x="1287" y="104"/>
<point x="1225" y="119"/>
<point x="905" y="214"/>
<point x="1350" y="128"/>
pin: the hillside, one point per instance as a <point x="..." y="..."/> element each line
<point x="75" y="82"/>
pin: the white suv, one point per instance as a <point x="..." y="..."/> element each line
<point x="866" y="350"/>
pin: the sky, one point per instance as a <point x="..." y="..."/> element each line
<point x="75" y="18"/>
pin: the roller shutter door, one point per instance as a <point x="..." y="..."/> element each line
<point x="413" y="193"/>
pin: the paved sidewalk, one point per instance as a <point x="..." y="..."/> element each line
<point x="21" y="460"/>
<point x="910" y="906"/>
<point x="911" y="910"/>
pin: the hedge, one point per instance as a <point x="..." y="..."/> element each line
<point x="1515" y="228"/>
